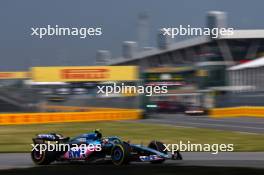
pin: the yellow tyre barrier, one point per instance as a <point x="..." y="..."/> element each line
<point x="78" y="108"/>
<point x="242" y="111"/>
<point x="53" y="117"/>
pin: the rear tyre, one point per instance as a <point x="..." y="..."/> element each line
<point x="44" y="158"/>
<point x="120" y="154"/>
<point x="158" y="146"/>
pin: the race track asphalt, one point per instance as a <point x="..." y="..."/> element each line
<point x="234" y="159"/>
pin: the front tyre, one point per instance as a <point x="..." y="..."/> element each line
<point x="120" y="154"/>
<point x="158" y="146"/>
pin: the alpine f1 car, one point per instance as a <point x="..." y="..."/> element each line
<point x="92" y="147"/>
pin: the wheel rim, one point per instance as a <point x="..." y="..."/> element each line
<point x="117" y="154"/>
<point x="37" y="155"/>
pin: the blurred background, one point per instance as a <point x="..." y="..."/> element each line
<point x="215" y="85"/>
<point x="201" y="72"/>
<point x="209" y="80"/>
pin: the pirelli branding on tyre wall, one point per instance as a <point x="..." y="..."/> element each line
<point x="84" y="73"/>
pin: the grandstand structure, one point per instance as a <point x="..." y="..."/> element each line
<point x="211" y="58"/>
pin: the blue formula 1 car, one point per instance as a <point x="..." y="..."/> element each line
<point x="92" y="147"/>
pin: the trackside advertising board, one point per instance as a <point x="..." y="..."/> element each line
<point x="14" y="75"/>
<point x="84" y="73"/>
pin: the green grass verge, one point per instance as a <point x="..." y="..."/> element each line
<point x="17" y="138"/>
